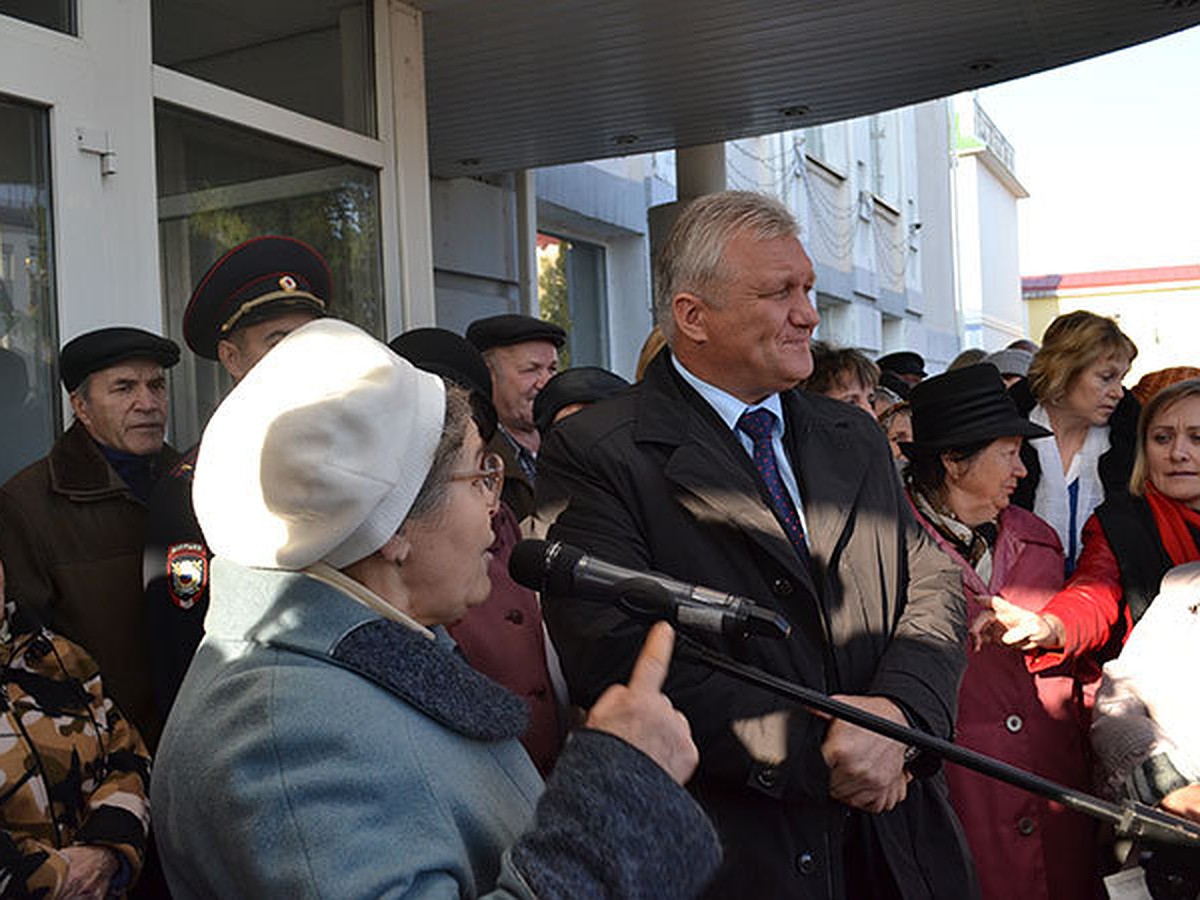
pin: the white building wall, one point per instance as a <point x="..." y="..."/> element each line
<point x="986" y="192"/>
<point x="1000" y="272"/>
<point x="908" y="248"/>
<point x="937" y="235"/>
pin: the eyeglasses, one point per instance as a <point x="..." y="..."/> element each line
<point x="489" y="479"/>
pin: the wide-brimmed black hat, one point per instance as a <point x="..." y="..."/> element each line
<point x="512" y="328"/>
<point x="257" y="280"/>
<point x="583" y="384"/>
<point x="455" y="358"/>
<point x="96" y="350"/>
<point x="963" y="407"/>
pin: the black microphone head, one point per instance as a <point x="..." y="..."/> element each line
<point x="544" y="565"/>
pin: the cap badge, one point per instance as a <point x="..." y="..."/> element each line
<point x="287" y="283"/>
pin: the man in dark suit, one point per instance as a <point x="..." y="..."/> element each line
<point x="715" y="470"/>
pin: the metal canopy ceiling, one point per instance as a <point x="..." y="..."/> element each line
<point x="515" y="84"/>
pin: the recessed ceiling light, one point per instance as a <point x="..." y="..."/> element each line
<point x="792" y="112"/>
<point x="624" y="140"/>
<point x="982" y="65"/>
<point x="468" y="162"/>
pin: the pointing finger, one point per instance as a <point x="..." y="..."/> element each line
<point x="650" y="669"/>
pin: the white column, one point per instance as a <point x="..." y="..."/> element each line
<point x="527" y="267"/>
<point x="698" y="171"/>
<point x="408" y="263"/>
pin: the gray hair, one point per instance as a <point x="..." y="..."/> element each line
<point x="432" y="495"/>
<point x="692" y="258"/>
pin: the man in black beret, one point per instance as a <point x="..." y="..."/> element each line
<point x="72" y="524"/>
<point x="570" y="391"/>
<point x="246" y="303"/>
<point x="522" y="354"/>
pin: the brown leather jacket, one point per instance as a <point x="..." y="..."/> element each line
<point x="71" y="538"/>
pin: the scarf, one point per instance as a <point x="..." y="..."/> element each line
<point x="975" y="545"/>
<point x="1175" y="523"/>
<point x="139" y="472"/>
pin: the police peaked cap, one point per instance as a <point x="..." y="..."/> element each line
<point x="255" y="281"/>
<point x="511" y="328"/>
<point x="98" y="350"/>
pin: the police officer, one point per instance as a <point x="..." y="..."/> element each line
<point x="248" y="301"/>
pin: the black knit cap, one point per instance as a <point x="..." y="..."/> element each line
<point x="964" y="407"/>
<point x="257" y="280"/>
<point x="454" y="358"/>
<point x="511" y="328"/>
<point x="584" y="384"/>
<point x="903" y="362"/>
<point x="96" y="350"/>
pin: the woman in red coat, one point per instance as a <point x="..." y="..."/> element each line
<point x="965" y="462"/>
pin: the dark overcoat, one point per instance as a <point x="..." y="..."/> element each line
<point x="656" y="481"/>
<point x="71" y="538"/>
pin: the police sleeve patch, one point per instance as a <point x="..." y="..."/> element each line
<point x="187" y="573"/>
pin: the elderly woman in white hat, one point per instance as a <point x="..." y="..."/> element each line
<point x="327" y="740"/>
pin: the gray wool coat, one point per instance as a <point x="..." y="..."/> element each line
<point x="318" y="750"/>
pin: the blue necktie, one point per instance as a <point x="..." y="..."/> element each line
<point x="759" y="424"/>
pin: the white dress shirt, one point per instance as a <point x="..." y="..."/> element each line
<point x="730" y="409"/>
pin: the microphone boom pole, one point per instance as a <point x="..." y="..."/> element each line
<point x="1130" y="819"/>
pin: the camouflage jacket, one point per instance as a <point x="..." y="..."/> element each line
<point x="73" y="770"/>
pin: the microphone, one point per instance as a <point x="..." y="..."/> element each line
<point x="557" y="568"/>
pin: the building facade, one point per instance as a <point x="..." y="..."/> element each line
<point x="139" y="139"/>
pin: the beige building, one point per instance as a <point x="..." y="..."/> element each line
<point x="1158" y="308"/>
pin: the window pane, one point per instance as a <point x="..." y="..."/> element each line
<point x="56" y="14"/>
<point x="29" y="392"/>
<point x="219" y="185"/>
<point x="314" y="58"/>
<point x="572" y="294"/>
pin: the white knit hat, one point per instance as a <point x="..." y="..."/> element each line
<point x="319" y="452"/>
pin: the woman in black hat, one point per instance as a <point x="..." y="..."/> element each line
<point x="964" y="464"/>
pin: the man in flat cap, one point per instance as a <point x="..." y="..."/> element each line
<point x="246" y="303"/>
<point x="522" y="354"/>
<point x="72" y="524"/>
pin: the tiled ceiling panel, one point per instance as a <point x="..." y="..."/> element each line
<point x="515" y="84"/>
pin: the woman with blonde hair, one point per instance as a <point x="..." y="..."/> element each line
<point x="1074" y="389"/>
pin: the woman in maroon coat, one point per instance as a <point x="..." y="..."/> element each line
<point x="965" y="463"/>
